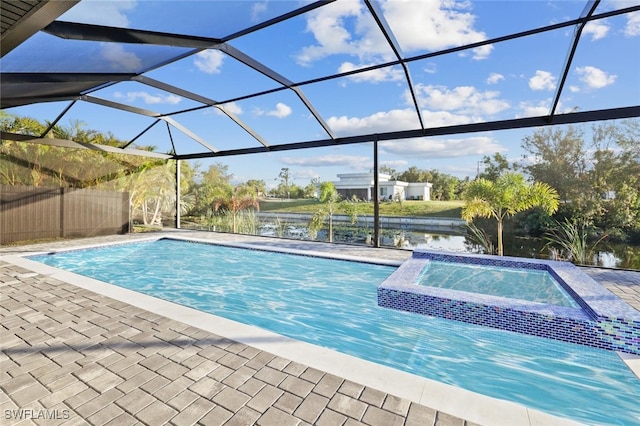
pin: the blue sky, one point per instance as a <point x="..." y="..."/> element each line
<point x="500" y="81"/>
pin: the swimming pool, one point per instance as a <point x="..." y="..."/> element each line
<point x="335" y="306"/>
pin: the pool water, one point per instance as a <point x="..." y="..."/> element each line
<point x="333" y="304"/>
<point x="524" y="284"/>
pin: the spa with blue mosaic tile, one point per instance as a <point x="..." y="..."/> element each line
<point x="600" y="319"/>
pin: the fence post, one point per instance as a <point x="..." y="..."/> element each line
<point x="126" y="212"/>
<point x="376" y="198"/>
<point x="177" y="222"/>
<point x="61" y="198"/>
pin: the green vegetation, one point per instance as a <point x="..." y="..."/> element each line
<point x="445" y="186"/>
<point x="507" y="195"/>
<point x="410" y="208"/>
<point x="598" y="181"/>
<point x="242" y="221"/>
<point x="302" y="205"/>
<point x="571" y="239"/>
<point x="479" y="237"/>
<point x="235" y="204"/>
<point x="595" y="172"/>
<point x="330" y="204"/>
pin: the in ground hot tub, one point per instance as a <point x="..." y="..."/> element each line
<point x="564" y="304"/>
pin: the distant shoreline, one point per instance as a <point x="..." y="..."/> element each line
<point x="414" y="223"/>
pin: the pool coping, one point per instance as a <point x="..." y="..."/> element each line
<point x="446" y="398"/>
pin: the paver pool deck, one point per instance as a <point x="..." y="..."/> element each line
<point x="84" y="352"/>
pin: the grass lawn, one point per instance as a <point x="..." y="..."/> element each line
<point x="451" y="209"/>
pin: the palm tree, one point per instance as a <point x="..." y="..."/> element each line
<point x="154" y="191"/>
<point x="506" y="196"/>
<point x="240" y="199"/>
<point x="331" y="203"/>
<point x="284" y="177"/>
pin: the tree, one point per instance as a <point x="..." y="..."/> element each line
<point x="331" y="203"/>
<point x="505" y="197"/>
<point x="215" y="185"/>
<point x="494" y="167"/>
<point x="150" y="182"/>
<point x="21" y="163"/>
<point x="284" y="177"/>
<point x="310" y="191"/>
<point x="445" y="186"/>
<point x="614" y="175"/>
<point x="257" y="187"/>
<point x="235" y="202"/>
<point x="152" y="191"/>
<point x="414" y="174"/>
<point x="393" y="174"/>
<point x="598" y="182"/>
<point x="557" y="157"/>
<point x="295" y="191"/>
<point x="629" y="138"/>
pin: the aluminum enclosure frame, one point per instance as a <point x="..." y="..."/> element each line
<point x="27" y="88"/>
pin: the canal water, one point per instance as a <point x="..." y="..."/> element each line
<point x="453" y="239"/>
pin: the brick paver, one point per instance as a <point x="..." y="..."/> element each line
<point x="101" y="361"/>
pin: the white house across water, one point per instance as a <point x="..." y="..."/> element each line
<point x="361" y="185"/>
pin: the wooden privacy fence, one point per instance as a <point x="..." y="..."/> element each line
<point x="29" y="212"/>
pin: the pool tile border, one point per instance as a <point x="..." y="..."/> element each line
<point x="602" y="321"/>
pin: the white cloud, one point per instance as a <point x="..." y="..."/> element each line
<point x="233" y="108"/>
<point x="373" y="76"/>
<point x="482" y="52"/>
<point x="494" y="78"/>
<point x="345" y="28"/>
<point x="440" y="107"/>
<point x="431" y="68"/>
<point x="281" y="111"/>
<point x="597" y="30"/>
<point x="328" y="27"/>
<point x="453" y="108"/>
<point x="463" y="99"/>
<point x="632" y="29"/>
<point x="376" y="123"/>
<point x="395" y="164"/>
<point x="543" y="80"/>
<point x="395" y="120"/>
<point x="434" y="25"/>
<point x="442" y="148"/>
<point x="445" y="118"/>
<point x="209" y="61"/>
<point x="595" y="78"/>
<point x="529" y="110"/>
<point x="119" y="58"/>
<point x="305" y="173"/>
<point x="100" y="12"/>
<point x="542" y="108"/>
<point x="357" y="162"/>
<point x="148" y="98"/>
<point x="257" y="11"/>
<point x="477" y="53"/>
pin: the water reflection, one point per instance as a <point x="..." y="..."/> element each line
<point x="445" y="242"/>
<point x="454" y="240"/>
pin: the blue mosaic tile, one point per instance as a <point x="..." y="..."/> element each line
<point x="602" y="320"/>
